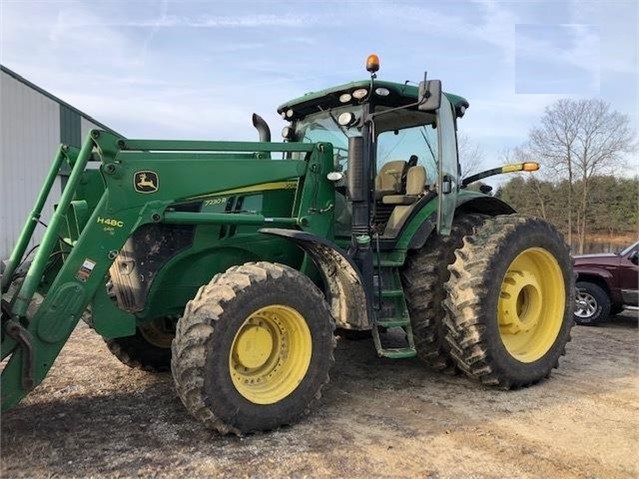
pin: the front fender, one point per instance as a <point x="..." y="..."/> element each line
<point x="346" y="297"/>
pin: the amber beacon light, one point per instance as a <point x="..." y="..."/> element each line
<point x="372" y="63"/>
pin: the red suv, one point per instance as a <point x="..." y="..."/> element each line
<point x="606" y="284"/>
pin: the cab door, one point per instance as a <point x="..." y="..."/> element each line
<point x="448" y="177"/>
<point x="629" y="277"/>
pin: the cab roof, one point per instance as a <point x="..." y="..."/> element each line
<point x="400" y="94"/>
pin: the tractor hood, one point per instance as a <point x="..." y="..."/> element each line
<point x="602" y="259"/>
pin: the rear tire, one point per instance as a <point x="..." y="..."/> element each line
<point x="510" y="302"/>
<point x="423" y="277"/>
<point x="149" y="349"/>
<point x="253" y="349"/>
<point x="597" y="304"/>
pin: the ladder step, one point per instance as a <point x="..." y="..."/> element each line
<point x="392" y="293"/>
<point x="393" y="322"/>
<point x="398" y="353"/>
<point x="386" y="263"/>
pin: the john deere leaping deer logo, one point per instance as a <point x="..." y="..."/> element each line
<point x="146" y="182"/>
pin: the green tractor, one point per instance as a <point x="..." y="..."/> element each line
<point x="231" y="264"/>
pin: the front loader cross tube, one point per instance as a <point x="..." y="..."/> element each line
<point x="34" y="275"/>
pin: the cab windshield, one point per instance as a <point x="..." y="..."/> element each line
<point x="323" y="128"/>
<point x="401" y="134"/>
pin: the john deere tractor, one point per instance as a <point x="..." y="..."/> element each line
<point x="231" y="263"/>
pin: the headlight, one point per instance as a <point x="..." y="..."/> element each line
<point x="289" y="113"/>
<point x="345" y="98"/>
<point x="361" y="93"/>
<point x="382" y="91"/>
<point x="287" y="132"/>
<point x="346" y="119"/>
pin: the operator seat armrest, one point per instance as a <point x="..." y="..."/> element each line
<point x="399" y="199"/>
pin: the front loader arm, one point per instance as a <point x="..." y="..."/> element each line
<point x="139" y="182"/>
<point x="79" y="278"/>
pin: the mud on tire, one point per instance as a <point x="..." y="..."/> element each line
<point x="423" y="277"/>
<point x="510" y="301"/>
<point x="224" y="392"/>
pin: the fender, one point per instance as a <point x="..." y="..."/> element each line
<point x="423" y="220"/>
<point x="473" y="202"/>
<point x="602" y="277"/>
<point x="348" y="302"/>
<point x="602" y="273"/>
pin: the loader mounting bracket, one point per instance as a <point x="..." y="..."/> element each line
<point x="20" y="335"/>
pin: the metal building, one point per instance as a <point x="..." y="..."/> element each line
<point x="32" y="125"/>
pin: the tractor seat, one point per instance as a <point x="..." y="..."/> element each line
<point x="415" y="184"/>
<point x="389" y="179"/>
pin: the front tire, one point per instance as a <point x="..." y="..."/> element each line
<point x="596" y="304"/>
<point x="510" y="301"/>
<point x="253" y="349"/>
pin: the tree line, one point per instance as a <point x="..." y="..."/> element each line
<point x="611" y="206"/>
<point x="584" y="148"/>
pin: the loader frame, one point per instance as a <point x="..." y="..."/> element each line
<point x="79" y="246"/>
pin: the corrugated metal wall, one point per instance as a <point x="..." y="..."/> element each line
<point x="29" y="136"/>
<point x="32" y="125"/>
<point x="85" y="127"/>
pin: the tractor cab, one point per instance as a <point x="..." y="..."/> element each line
<point x="409" y="148"/>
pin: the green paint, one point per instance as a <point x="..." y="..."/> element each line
<point x="219" y="193"/>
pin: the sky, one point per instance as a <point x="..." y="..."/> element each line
<point x="198" y="69"/>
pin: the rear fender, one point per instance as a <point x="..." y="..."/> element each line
<point x="345" y="291"/>
<point x="423" y="222"/>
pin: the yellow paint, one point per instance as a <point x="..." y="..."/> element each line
<point x="528" y="166"/>
<point x="531" y="305"/>
<point x="110" y="222"/>
<point x="270" y="354"/>
<point x="511" y="168"/>
<point x="278" y="185"/>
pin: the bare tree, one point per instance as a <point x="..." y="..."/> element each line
<point x="471" y="155"/>
<point x="579" y="139"/>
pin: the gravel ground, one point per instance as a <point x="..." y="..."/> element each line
<point x="94" y="417"/>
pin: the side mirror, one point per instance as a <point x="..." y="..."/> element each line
<point x="634" y="257"/>
<point x="430" y="95"/>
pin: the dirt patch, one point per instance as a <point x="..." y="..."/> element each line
<point x="94" y="417"/>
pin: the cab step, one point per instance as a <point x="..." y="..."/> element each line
<point x="398" y="353"/>
<point x="392" y="293"/>
<point x="391" y="312"/>
<point x="393" y="322"/>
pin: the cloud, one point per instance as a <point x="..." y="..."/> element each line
<point x="198" y="69"/>
<point x="156" y="27"/>
<point x="209" y="21"/>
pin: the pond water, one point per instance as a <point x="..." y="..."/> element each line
<point x="592" y="247"/>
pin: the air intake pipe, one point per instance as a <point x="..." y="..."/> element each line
<point x="262" y="128"/>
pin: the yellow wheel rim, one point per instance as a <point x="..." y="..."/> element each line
<point x="270" y="354"/>
<point x="531" y="304"/>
